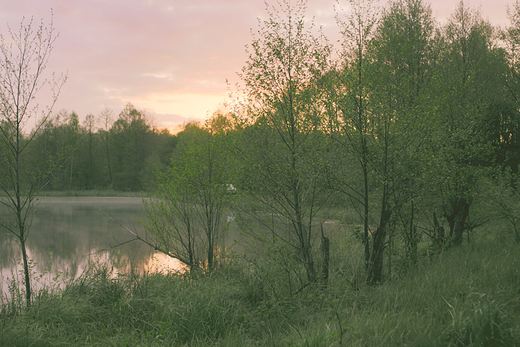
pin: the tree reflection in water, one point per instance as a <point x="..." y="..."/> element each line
<point x="69" y="233"/>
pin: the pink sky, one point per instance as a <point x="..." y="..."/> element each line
<point x="168" y="57"/>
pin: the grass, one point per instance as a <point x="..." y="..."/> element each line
<point x="466" y="296"/>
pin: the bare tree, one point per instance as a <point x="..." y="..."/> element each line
<point x="23" y="60"/>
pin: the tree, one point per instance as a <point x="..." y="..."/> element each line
<point x="22" y="75"/>
<point x="105" y="119"/>
<point x="348" y="109"/>
<point x="89" y="164"/>
<point x="186" y="216"/>
<point x="162" y="146"/>
<point x="469" y="83"/>
<point x="379" y="111"/>
<point x="130" y="144"/>
<point x="283" y="146"/>
<point x="402" y="54"/>
<point x="502" y="124"/>
<point x="59" y="135"/>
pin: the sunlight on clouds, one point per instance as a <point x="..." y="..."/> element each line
<point x="112" y="93"/>
<point x="159" y="75"/>
<point x="187" y="105"/>
<point x="208" y="84"/>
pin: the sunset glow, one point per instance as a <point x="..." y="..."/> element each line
<point x="159" y="262"/>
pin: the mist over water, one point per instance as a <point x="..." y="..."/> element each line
<point x="68" y="233"/>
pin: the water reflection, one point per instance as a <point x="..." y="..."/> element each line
<point x="68" y="234"/>
<point x="159" y="262"/>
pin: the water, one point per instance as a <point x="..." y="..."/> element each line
<point x="68" y="233"/>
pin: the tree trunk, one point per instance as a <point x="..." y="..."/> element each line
<point x="26" y="273"/>
<point x="210" y="258"/>
<point x="366" y="235"/>
<point x="451" y="222"/>
<point x="456" y="218"/>
<point x="108" y="159"/>
<point x="461" y="214"/>
<point x="390" y="239"/>
<point x="413" y="236"/>
<point x="378" y="247"/>
<point x="413" y="245"/>
<point x="438" y="231"/>
<point x="325" y="257"/>
<point x="309" y="264"/>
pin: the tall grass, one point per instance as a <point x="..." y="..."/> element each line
<point x="466" y="296"/>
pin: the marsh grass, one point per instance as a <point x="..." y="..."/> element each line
<point x="466" y="296"/>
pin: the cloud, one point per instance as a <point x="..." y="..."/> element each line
<point x="172" y="122"/>
<point x="130" y="49"/>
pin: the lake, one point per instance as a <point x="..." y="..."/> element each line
<point x="68" y="233"/>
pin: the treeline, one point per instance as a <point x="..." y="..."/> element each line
<point x="104" y="153"/>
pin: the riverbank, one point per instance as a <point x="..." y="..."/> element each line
<point x="464" y="296"/>
<point x="93" y="193"/>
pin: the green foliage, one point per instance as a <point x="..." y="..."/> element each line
<point x="122" y="156"/>
<point x="58" y="139"/>
<point x="381" y="111"/>
<point x="502" y="202"/>
<point x="282" y="151"/>
<point x="130" y="145"/>
<point x="187" y="216"/>
<point x="470" y="79"/>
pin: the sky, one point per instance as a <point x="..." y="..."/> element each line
<point x="170" y="58"/>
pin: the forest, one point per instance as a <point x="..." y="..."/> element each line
<point x="406" y="135"/>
